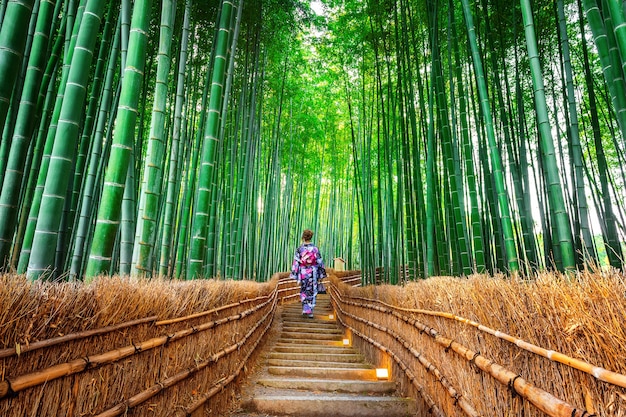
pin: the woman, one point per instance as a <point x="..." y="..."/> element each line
<point x="307" y="268"/>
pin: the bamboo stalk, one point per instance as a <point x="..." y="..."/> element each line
<point x="596" y="371"/>
<point x="39" y="377"/>
<point x="73" y="336"/>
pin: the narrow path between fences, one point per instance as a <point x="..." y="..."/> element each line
<point x="311" y="369"/>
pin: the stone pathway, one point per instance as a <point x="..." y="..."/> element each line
<point x="307" y="372"/>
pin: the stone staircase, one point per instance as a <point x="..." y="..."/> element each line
<point x="307" y="372"/>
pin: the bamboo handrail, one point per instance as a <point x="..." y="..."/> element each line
<point x="145" y="395"/>
<point x="221" y="384"/>
<point x="214" y="310"/>
<point x="597" y="372"/>
<point x="432" y="407"/>
<point x="541" y="399"/>
<point x="4" y="353"/>
<point x="22" y="382"/>
<point x="459" y="399"/>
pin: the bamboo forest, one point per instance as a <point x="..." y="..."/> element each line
<point x="414" y="137"/>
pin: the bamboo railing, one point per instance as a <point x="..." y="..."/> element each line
<point x="22" y="382"/>
<point x="597" y="372"/>
<point x="190" y="360"/>
<point x="401" y="338"/>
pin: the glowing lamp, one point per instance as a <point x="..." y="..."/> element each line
<point x="331" y="316"/>
<point x="382" y="373"/>
<point x="346" y="342"/>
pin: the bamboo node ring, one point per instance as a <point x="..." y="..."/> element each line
<point x="449" y="346"/>
<point x="9" y="393"/>
<point x="511" y="385"/>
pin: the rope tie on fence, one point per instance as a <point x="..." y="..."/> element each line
<point x="167" y="339"/>
<point x="87" y="362"/>
<point x="472" y="362"/>
<point x="137" y="348"/>
<point x="194" y="329"/>
<point x="511" y="386"/>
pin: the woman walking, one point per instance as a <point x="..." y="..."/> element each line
<point x="307" y="269"/>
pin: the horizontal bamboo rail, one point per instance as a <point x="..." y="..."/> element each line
<point x="432" y="407"/>
<point x="597" y="372"/>
<point x="22" y="382"/>
<point x="145" y="395"/>
<point x="219" y="386"/>
<point x="4" y="353"/>
<point x="541" y="399"/>
<point x="290" y="285"/>
<point x="214" y="310"/>
<point x="459" y="399"/>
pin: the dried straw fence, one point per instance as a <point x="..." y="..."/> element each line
<point x="120" y="346"/>
<point x="552" y="346"/>
<point x="158" y="348"/>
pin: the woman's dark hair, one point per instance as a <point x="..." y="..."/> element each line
<point x="307" y="235"/>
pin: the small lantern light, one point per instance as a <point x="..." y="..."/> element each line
<point x="331" y="316"/>
<point x="382" y="373"/>
<point x="346" y="342"/>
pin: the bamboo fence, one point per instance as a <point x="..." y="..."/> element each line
<point x="460" y="366"/>
<point x="122" y="345"/>
<point x="154" y="347"/>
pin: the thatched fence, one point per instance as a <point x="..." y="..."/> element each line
<point x="155" y="348"/>
<point x="121" y="345"/>
<point x="552" y="346"/>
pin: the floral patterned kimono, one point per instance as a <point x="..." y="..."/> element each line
<point x="307" y="269"/>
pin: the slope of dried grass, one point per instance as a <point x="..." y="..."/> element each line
<point x="35" y="311"/>
<point x="582" y="317"/>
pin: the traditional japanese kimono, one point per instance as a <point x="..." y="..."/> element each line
<point x="307" y="269"/>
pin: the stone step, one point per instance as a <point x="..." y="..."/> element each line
<point x="366" y="374"/>
<point x="310" y="336"/>
<point x="292" y="328"/>
<point x="317" y="357"/>
<point x="314" y="364"/>
<point x="311" y="342"/>
<point x="330" y="385"/>
<point x="318" y="317"/>
<point x="320" y="405"/>
<point x="312" y="348"/>
<point x="323" y="322"/>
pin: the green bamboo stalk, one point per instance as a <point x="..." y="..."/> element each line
<point x="201" y="213"/>
<point x="108" y="219"/>
<point x="24" y="128"/>
<point x="150" y="194"/>
<point x="63" y="151"/>
<point x="13" y="34"/>
<point x="165" y="264"/>
<point x="494" y="153"/>
<point x="81" y="246"/>
<point x="557" y="204"/>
